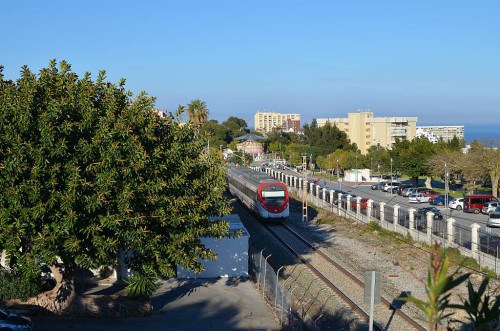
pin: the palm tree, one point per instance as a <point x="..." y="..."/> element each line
<point x="198" y="112"/>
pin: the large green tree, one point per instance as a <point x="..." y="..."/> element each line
<point x="86" y="173"/>
<point x="411" y="157"/>
<point x="328" y="137"/>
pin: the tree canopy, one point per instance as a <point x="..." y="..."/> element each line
<point x="86" y="172"/>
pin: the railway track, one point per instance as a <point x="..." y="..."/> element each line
<point x="346" y="286"/>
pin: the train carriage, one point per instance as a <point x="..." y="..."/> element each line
<point x="260" y="193"/>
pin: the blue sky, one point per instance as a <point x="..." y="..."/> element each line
<point x="438" y="61"/>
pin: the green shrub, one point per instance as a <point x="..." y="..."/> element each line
<point x="140" y="286"/>
<point x="16" y="286"/>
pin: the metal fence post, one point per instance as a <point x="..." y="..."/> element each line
<point x="260" y="268"/>
<point x="265" y="271"/>
<point x="282" y="300"/>
<point x="291" y="301"/>
<point x="276" y="287"/>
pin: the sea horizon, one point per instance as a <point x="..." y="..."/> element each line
<point x="482" y="132"/>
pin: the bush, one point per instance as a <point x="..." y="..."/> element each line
<point x="14" y="286"/>
<point x="140" y="287"/>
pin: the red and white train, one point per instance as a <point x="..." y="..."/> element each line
<point x="260" y="193"/>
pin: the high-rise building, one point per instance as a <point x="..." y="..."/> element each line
<point x="446" y="133"/>
<point x="266" y="122"/>
<point x="365" y="130"/>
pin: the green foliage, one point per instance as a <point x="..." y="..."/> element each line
<point x="86" y="173"/>
<point x="411" y="157"/>
<point x="328" y="138"/>
<point x="482" y="308"/>
<point x="17" y="285"/>
<point x="140" y="286"/>
<point x="438" y="289"/>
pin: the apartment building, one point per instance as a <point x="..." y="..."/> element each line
<point x="445" y="133"/>
<point x="266" y="122"/>
<point x="365" y="130"/>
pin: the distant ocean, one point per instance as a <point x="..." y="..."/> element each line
<point x="481" y="132"/>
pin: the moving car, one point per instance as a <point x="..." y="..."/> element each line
<point x="418" y="198"/>
<point x="457" y="204"/>
<point x="13" y="322"/>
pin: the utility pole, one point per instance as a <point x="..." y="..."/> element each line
<point x="304" y="188"/>
<point x="446" y="188"/>
<point x="356" y="170"/>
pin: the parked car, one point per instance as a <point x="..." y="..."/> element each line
<point x="430" y="193"/>
<point x="474" y="203"/>
<point x="412" y="190"/>
<point x="420" y="217"/>
<point x="418" y="198"/>
<point x="390" y="187"/>
<point x="402" y="187"/>
<point x="421" y="213"/>
<point x="457" y="203"/>
<point x="13" y="322"/>
<point x="494" y="219"/>
<point x="440" y="200"/>
<point x="378" y="186"/>
<point x="488" y="207"/>
<point x="363" y="204"/>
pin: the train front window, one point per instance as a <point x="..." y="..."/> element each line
<point x="274" y="198"/>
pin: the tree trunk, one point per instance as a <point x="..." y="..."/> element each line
<point x="428" y="182"/>
<point x="59" y="299"/>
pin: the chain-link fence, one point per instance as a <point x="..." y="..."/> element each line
<point x="270" y="287"/>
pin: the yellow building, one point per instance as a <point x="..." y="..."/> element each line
<point x="365" y="130"/>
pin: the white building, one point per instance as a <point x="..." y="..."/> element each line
<point x="443" y="132"/>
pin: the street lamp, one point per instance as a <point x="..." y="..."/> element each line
<point x="446" y="189"/>
<point x="391" y="176"/>
<point x="378" y="168"/>
<point x="338" y="176"/>
<point x="330" y="166"/>
<point x="356" y="170"/>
